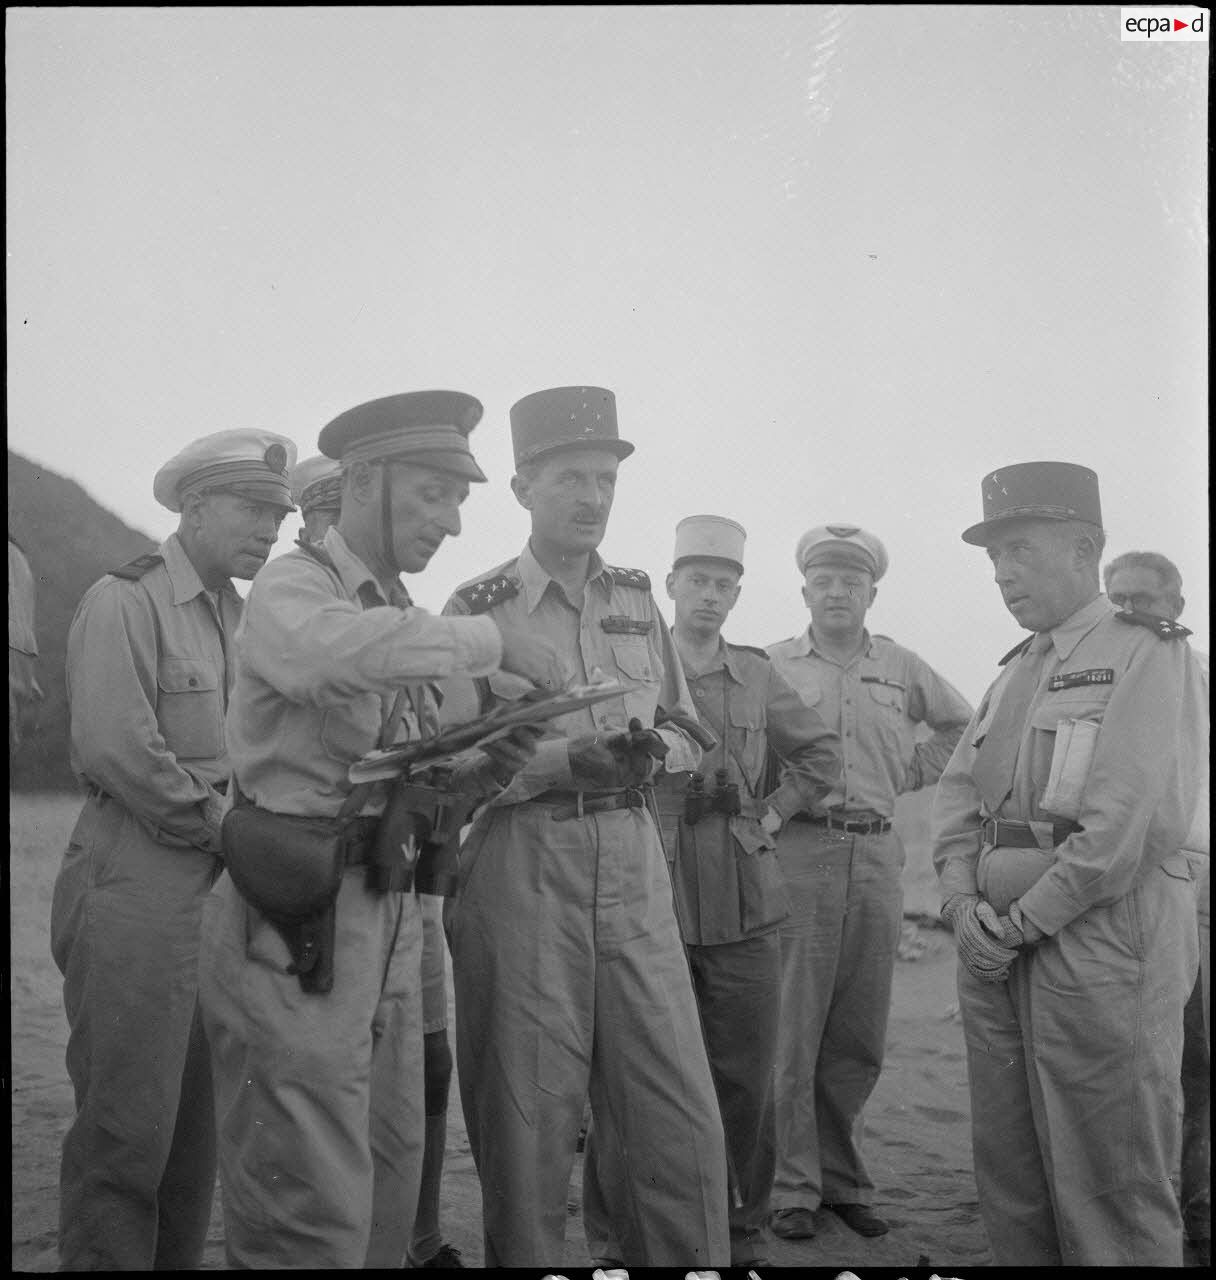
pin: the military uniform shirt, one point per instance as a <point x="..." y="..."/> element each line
<point x="148" y="681"/>
<point x="727" y="885"/>
<point x="875" y="703"/>
<point x="317" y="673"/>
<point x="1146" y="694"/>
<point x="617" y="632"/>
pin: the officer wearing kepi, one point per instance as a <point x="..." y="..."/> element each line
<point x="1057" y="829"/>
<point x="570" y="973"/>
<point x="842" y="862"/>
<point x="719" y="831"/>
<point x="148" y="679"/>
<point x="309" y="972"/>
<point x="316" y="484"/>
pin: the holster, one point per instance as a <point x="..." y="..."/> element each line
<point x="311" y="943"/>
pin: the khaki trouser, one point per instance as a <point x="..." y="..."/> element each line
<point x="1074" y="1073"/>
<point x="138" y="1168"/>
<point x="1196" y="1079"/>
<point x="319" y="1098"/>
<point x="738" y="988"/>
<point x="838" y="949"/>
<point x="571" y="978"/>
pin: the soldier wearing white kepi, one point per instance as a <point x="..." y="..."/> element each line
<point x="148" y="680"/>
<point x="719" y="832"/>
<point x="842" y="862"/>
<point x="1057" y="830"/>
<point x="309" y="967"/>
<point x="569" y="970"/>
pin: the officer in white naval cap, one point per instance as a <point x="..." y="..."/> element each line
<point x="148" y="679"/>
<point x="719" y="830"/>
<point x="316" y="486"/>
<point x="842" y="862"/>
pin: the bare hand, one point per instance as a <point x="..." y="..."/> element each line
<point x="533" y="656"/>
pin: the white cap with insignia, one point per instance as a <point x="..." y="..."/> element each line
<point x="843" y="544"/>
<point x="249" y="462"/>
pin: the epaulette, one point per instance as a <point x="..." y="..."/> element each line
<point x="1164" y="628"/>
<point x="629" y="577"/>
<point x="484" y="595"/>
<point x="1017" y="648"/>
<point x="135" y="569"/>
<point x="878" y="635"/>
<point x="750" y="648"/>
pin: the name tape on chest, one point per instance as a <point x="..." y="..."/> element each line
<point x="890" y="684"/>
<point x="1075" y="679"/>
<point x="619" y="625"/>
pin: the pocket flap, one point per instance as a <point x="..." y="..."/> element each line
<point x="634" y="660"/>
<point x="745" y="716"/>
<point x="751" y="836"/>
<point x="186" y="675"/>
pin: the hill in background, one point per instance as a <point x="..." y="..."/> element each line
<point x="70" y="541"/>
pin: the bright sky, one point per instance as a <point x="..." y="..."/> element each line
<point x="836" y="262"/>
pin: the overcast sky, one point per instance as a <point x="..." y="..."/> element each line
<point x="835" y="261"/>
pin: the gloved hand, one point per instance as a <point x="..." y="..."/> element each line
<point x="609" y="761"/>
<point x="1029" y="932"/>
<point x="493" y="767"/>
<point x="972" y="918"/>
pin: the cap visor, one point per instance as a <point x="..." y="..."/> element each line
<point x="621" y="448"/>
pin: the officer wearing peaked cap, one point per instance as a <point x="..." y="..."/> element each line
<point x="148" y="679"/>
<point x="1056" y="832"/>
<point x="566" y="954"/>
<point x="719" y="830"/>
<point x="320" y="1016"/>
<point x="842" y="862"/>
<point x="316" y="486"/>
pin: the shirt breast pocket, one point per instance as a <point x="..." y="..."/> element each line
<point x="189" y="708"/>
<point x="888" y="696"/>
<point x="637" y="668"/>
<point x="1053" y="722"/>
<point x="747" y="737"/>
<point x="353" y="729"/>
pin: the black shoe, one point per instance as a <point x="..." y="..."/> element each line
<point x="748" y="1247"/>
<point x="860" y="1218"/>
<point x="447" y="1255"/>
<point x="794" y="1224"/>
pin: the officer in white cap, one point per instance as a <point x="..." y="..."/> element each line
<point x="719" y="829"/>
<point x="316" y="486"/>
<point x="570" y="975"/>
<point x="148" y="680"/>
<point x="842" y="861"/>
<point x="1058" y="833"/>
<point x="316" y="1024"/>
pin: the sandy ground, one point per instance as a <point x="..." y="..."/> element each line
<point x="917" y="1126"/>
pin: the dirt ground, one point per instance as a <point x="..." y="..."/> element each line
<point x="917" y="1127"/>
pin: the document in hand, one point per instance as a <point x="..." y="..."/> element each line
<point x="533" y="708"/>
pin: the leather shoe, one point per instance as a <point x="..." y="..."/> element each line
<point x="860" y="1218"/>
<point x="748" y="1247"/>
<point x="794" y="1224"/>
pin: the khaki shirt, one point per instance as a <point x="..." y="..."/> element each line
<point x="148" y="680"/>
<point x="726" y="879"/>
<point x="317" y="673"/>
<point x="875" y="703"/>
<point x="20" y="603"/>
<point x="616" y="630"/>
<point x="1146" y="694"/>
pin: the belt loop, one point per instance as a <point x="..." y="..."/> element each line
<point x="578" y="805"/>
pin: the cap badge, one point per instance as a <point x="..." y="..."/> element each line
<point x="843" y="530"/>
<point x="275" y="458"/>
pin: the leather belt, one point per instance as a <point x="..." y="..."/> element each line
<point x="842" y="822"/>
<point x="1018" y="835"/>
<point x="578" y="804"/>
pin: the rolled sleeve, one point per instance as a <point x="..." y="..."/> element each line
<point x="938" y="704"/>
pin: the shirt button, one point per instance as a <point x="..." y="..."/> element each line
<point x="192" y="681"/>
<point x="603" y="722"/>
<point x="700" y="693"/>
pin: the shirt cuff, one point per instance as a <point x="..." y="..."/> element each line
<point x="478" y="645"/>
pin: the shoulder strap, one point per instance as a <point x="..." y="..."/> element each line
<point x="1163" y="628"/>
<point x="135" y="569"/>
<point x="480" y="597"/>
<point x="629" y="577"/>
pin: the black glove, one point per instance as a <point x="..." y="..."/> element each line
<point x="641" y="749"/>
<point x="609" y="761"/>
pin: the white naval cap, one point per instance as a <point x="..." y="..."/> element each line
<point x="844" y="544"/>
<point x="709" y="538"/>
<point x="250" y="462"/>
<point x="316" y="484"/>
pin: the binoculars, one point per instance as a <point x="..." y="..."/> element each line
<point x="724" y="798"/>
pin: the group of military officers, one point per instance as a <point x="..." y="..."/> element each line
<point x="682" y="902"/>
